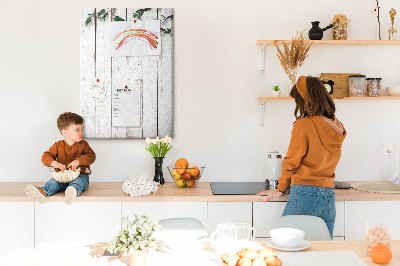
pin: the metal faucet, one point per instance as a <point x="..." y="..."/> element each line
<point x="394" y="176"/>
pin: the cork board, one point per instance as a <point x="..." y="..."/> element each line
<point x="341" y="80"/>
<point x="149" y="77"/>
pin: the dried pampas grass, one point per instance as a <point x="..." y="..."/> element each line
<point x="292" y="58"/>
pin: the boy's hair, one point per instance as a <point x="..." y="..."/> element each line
<point x="66" y="119"/>
<point x="319" y="103"/>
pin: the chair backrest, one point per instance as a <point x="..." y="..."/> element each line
<point x="314" y="227"/>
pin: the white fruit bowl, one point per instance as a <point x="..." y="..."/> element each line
<point x="393" y="91"/>
<point x="287" y="237"/>
<point x="189" y="179"/>
<point x="65" y="176"/>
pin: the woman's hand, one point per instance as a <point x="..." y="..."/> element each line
<point x="272" y="193"/>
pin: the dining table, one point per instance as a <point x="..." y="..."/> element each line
<point x="77" y="254"/>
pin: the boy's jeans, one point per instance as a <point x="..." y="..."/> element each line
<point x="314" y="201"/>
<point x="80" y="184"/>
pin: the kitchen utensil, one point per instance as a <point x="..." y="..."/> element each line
<point x="223" y="239"/>
<point x="65" y="176"/>
<point x="304" y="244"/>
<point x="377" y="231"/>
<point x="341" y="81"/>
<point x="393" y="91"/>
<point x="374" y="87"/>
<point x="243" y="234"/>
<point x="190" y="179"/>
<point x="287" y="237"/>
<point x="316" y="33"/>
<point x="357" y="84"/>
<point x="274" y="169"/>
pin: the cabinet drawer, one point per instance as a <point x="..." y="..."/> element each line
<point x="220" y="212"/>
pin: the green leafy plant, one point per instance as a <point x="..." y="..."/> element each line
<point x="276" y="88"/>
<point x="158" y="147"/>
<point x="139" y="13"/>
<point x="103" y="13"/>
<point x="137" y="234"/>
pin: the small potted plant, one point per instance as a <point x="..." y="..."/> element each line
<point x="135" y="238"/>
<point x="276" y="91"/>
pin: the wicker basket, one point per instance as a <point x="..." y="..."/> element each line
<point x="65" y="176"/>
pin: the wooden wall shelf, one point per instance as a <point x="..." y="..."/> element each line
<point x="264" y="99"/>
<point x="335" y="98"/>
<point x="264" y="43"/>
<point x="339" y="42"/>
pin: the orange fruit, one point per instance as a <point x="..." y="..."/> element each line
<point x="181" y="163"/>
<point x="381" y="254"/>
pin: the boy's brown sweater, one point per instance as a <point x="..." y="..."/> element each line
<point x="65" y="154"/>
<point x="313" y="154"/>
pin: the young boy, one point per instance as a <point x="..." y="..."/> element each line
<point x="68" y="153"/>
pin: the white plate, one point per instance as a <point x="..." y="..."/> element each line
<point x="303" y="245"/>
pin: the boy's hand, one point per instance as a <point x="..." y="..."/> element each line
<point x="58" y="165"/>
<point x="73" y="165"/>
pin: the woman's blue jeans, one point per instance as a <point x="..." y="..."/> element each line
<point x="314" y="201"/>
<point x="80" y="184"/>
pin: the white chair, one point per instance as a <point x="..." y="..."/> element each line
<point x="314" y="227"/>
<point x="181" y="233"/>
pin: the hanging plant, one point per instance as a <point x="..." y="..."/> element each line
<point x="102" y="14"/>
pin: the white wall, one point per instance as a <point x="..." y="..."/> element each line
<point x="216" y="80"/>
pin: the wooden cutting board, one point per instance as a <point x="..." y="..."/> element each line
<point x="341" y="80"/>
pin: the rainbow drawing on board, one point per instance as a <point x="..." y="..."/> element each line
<point x="126" y="36"/>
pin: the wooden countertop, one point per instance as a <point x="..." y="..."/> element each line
<point x="112" y="192"/>
<point x="92" y="252"/>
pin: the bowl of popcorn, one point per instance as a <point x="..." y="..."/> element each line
<point x="65" y="176"/>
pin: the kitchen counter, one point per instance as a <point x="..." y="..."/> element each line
<point x="112" y="192"/>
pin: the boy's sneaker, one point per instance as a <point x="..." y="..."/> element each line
<point x="36" y="193"/>
<point x="70" y="195"/>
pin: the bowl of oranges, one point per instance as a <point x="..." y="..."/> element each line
<point x="185" y="175"/>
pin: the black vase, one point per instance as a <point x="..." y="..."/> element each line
<point x="158" y="174"/>
<point x="316" y="33"/>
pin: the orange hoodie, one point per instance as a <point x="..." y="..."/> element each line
<point x="313" y="154"/>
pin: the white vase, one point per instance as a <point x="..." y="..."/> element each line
<point x="138" y="257"/>
<point x="276" y="93"/>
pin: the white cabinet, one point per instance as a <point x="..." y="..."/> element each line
<point x="165" y="210"/>
<point x="220" y="212"/>
<point x="79" y="222"/>
<point x="358" y="212"/>
<point x="266" y="215"/>
<point x="16" y="226"/>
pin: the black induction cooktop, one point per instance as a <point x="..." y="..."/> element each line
<point x="237" y="188"/>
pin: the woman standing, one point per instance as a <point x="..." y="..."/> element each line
<point x="313" y="154"/>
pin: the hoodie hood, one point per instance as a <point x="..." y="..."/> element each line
<point x="330" y="133"/>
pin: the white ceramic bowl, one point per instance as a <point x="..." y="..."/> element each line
<point x="393" y="91"/>
<point x="286" y="237"/>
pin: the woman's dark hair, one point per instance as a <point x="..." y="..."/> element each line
<point x="319" y="100"/>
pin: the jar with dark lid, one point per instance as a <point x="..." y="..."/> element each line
<point x="357" y="85"/>
<point x="374" y="87"/>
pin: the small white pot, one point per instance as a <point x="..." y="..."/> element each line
<point x="276" y="93"/>
<point x="138" y="257"/>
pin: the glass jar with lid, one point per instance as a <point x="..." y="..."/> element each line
<point x="374" y="87"/>
<point x="357" y="84"/>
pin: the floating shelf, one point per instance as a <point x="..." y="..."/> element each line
<point x="335" y="98"/>
<point x="264" y="43"/>
<point x="338" y="42"/>
<point x="264" y="99"/>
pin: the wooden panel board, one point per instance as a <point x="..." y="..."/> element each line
<point x="165" y="78"/>
<point x="87" y="71"/>
<point x="153" y="74"/>
<point x="341" y="86"/>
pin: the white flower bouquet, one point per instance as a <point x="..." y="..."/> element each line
<point x="158" y="147"/>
